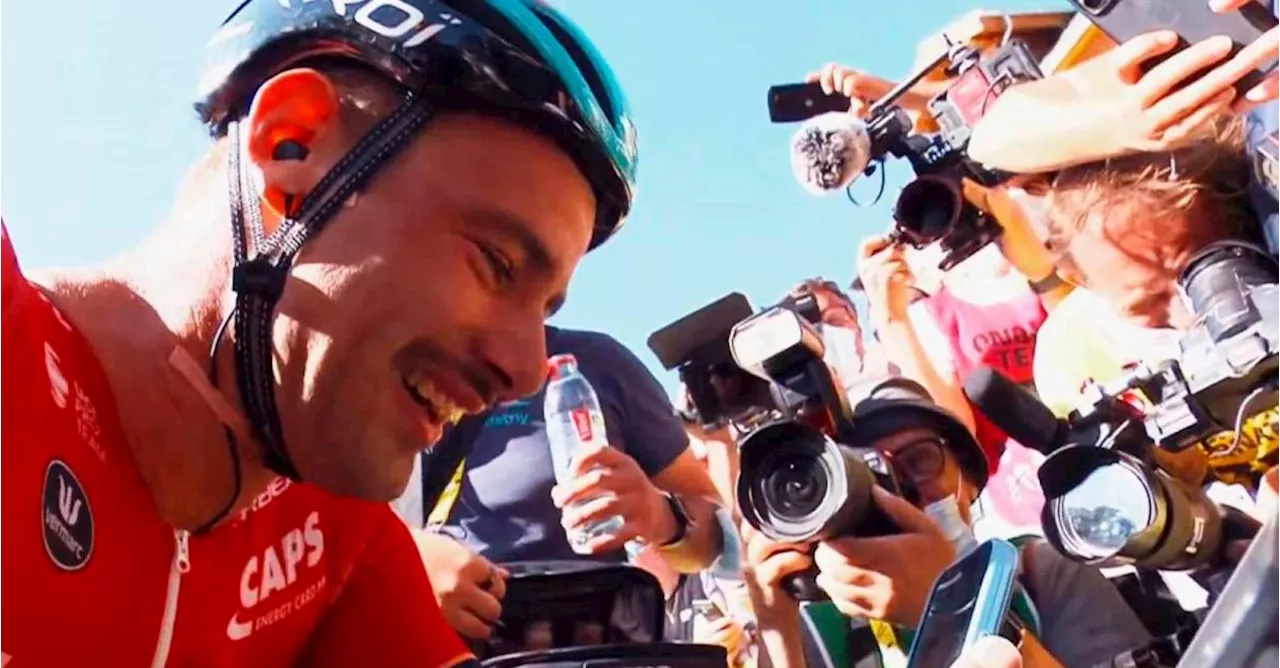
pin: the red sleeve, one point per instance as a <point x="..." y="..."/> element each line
<point x="387" y="614"/>
<point x="10" y="274"/>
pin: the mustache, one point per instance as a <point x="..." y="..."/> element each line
<point x="481" y="378"/>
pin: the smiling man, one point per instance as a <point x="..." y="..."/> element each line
<point x="209" y="425"/>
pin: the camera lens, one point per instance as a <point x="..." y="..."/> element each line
<point x="926" y="210"/>
<point x="1108" y="508"/>
<point x="795" y="486"/>
<point x="1111" y="508"/>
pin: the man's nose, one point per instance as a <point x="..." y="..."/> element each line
<point x="518" y="353"/>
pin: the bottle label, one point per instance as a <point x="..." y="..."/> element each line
<point x="582" y="424"/>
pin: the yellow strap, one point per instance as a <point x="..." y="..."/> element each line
<point x="892" y="655"/>
<point x="440" y="513"/>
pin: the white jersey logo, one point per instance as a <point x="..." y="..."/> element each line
<point x="68" y="505"/>
<point x="265" y="577"/>
<point x="58" y="384"/>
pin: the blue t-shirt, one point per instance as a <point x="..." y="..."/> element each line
<point x="1263" y="121"/>
<point x="504" y="510"/>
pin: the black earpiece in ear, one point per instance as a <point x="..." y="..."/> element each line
<point x="289" y="150"/>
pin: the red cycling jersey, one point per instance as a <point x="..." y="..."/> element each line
<point x="94" y="577"/>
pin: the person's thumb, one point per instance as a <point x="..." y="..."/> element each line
<point x="908" y="518"/>
<point x="990" y="652"/>
<point x="1128" y="58"/>
<point x="873" y="245"/>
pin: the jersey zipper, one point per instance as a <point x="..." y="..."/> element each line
<point x="181" y="564"/>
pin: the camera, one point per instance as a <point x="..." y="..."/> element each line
<point x="802" y="478"/>
<point x="932" y="208"/>
<point x="1220" y="390"/>
<point x="764" y="373"/>
<point x="807" y="467"/>
<point x="721" y="392"/>
<point x="1106" y="500"/>
<point x="1111" y="507"/>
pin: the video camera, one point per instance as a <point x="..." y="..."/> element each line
<point x="1108" y="500"/>
<point x="801" y="478"/>
<point x="932" y="208"/>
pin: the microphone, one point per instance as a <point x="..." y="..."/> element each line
<point x="829" y="151"/>
<point x="1015" y="410"/>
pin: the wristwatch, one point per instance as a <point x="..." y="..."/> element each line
<point x="1047" y="284"/>
<point x="682" y="520"/>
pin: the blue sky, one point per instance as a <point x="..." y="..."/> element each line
<point x="98" y="129"/>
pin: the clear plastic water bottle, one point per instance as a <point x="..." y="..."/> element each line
<point x="575" y="426"/>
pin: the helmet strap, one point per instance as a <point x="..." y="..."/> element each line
<point x="259" y="280"/>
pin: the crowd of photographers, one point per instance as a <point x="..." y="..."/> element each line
<point x="1128" y="228"/>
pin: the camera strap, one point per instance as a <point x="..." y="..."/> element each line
<point x="893" y="653"/>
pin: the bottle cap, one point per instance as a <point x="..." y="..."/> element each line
<point x="559" y="366"/>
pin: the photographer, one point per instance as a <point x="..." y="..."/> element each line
<point x="1124" y="229"/>
<point x="847" y="351"/>
<point x="504" y="504"/>
<point x="1081" y="619"/>
<point x="986" y="313"/>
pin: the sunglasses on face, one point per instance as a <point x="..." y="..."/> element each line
<point x="920" y="461"/>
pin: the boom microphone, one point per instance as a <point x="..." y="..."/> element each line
<point x="829" y="151"/>
<point x="1014" y="410"/>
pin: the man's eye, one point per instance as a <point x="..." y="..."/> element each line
<point x="498" y="263"/>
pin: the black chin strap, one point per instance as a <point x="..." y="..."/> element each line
<point x="259" y="281"/>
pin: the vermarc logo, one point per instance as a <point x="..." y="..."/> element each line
<point x="66" y="518"/>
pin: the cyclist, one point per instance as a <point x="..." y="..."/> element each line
<point x="407" y="186"/>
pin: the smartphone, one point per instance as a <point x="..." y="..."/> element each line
<point x="969" y="600"/>
<point x="792" y="103"/>
<point x="1123" y="20"/>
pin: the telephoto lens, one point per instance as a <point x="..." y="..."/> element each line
<point x="797" y="485"/>
<point x="1110" y="508"/>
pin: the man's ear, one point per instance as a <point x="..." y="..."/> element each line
<point x="292" y="134"/>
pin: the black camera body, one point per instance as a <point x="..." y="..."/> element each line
<point x="803" y="478"/>
<point x="721" y="392"/>
<point x="800" y="479"/>
<point x="933" y="209"/>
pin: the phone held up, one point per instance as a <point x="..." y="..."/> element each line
<point x="1193" y="20"/>
<point x="793" y="103"/>
<point x="969" y="601"/>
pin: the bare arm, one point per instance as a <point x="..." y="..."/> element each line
<point x="904" y="340"/>
<point x="687" y="479"/>
<point x="778" y="625"/>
